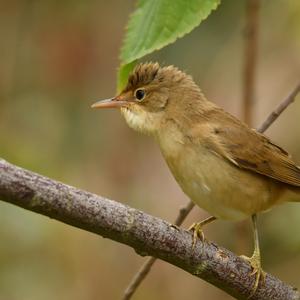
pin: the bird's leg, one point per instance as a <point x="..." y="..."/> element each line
<point x="255" y="259"/>
<point x="197" y="229"/>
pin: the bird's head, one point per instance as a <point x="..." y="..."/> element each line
<point x="151" y="94"/>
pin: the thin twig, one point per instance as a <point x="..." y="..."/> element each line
<point x="147" y="234"/>
<point x="183" y="213"/>
<point x="250" y="58"/>
<point x="146" y="267"/>
<point x="251" y="33"/>
<point x="138" y="278"/>
<point x="279" y="109"/>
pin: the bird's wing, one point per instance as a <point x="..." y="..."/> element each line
<point x="247" y="148"/>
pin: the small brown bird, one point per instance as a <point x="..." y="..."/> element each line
<point x="225" y="167"/>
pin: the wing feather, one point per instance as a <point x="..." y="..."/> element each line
<point x="247" y="148"/>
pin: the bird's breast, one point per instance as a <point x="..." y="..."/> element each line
<point x="215" y="184"/>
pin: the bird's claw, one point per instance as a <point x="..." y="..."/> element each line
<point x="197" y="233"/>
<point x="255" y="263"/>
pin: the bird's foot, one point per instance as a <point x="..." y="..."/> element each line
<point x="257" y="270"/>
<point x="196" y="228"/>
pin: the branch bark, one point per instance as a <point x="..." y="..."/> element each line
<point x="148" y="235"/>
<point x="147" y="265"/>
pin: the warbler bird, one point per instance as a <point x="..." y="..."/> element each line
<point x="222" y="165"/>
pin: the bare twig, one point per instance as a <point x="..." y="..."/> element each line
<point x="148" y="235"/>
<point x="250" y="57"/>
<point x="146" y="266"/>
<point x="183" y="213"/>
<point x="279" y="109"/>
<point x="251" y="33"/>
<point x="138" y="278"/>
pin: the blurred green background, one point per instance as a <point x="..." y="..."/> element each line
<point x="58" y="57"/>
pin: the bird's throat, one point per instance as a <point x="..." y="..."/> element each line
<point x="140" y="120"/>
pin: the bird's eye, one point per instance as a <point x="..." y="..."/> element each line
<point x="140" y="94"/>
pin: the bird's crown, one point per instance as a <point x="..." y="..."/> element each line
<point x="147" y="73"/>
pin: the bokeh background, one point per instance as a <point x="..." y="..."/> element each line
<point x="58" y="57"/>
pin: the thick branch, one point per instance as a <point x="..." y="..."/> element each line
<point x="147" y="265"/>
<point x="148" y="235"/>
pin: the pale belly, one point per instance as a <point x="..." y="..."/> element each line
<point x="221" y="188"/>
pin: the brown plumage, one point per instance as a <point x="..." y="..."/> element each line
<point x="225" y="167"/>
<point x="249" y="149"/>
<point x="243" y="171"/>
<point x="143" y="74"/>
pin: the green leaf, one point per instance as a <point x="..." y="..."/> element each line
<point x="123" y="73"/>
<point x="157" y="23"/>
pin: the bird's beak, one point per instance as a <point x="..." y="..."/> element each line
<point x="115" y="102"/>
